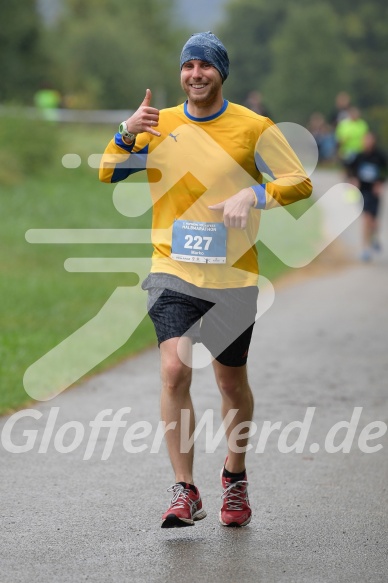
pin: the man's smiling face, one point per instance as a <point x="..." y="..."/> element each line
<point x="201" y="82"/>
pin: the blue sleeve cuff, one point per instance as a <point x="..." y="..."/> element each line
<point x="121" y="144"/>
<point x="259" y="190"/>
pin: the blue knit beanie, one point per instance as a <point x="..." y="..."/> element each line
<point x="205" y="46"/>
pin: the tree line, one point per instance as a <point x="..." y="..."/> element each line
<point x="299" y="55"/>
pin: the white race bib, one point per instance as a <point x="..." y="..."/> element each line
<point x="199" y="242"/>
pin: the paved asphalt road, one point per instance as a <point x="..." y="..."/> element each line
<point x="319" y="517"/>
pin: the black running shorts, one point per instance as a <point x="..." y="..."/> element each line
<point x="221" y="319"/>
<point x="371" y="202"/>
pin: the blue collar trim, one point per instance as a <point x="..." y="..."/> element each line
<point x="210" y="117"/>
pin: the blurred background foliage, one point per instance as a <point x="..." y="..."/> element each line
<point x="104" y="54"/>
<point x="301" y="54"/>
<point x="109" y="55"/>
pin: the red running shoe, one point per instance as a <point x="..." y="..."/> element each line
<point x="186" y="507"/>
<point x="235" y="509"/>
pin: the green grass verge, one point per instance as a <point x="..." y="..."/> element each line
<point x="42" y="304"/>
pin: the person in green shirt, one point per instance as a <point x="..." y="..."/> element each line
<point x="350" y="135"/>
<point x="48" y="100"/>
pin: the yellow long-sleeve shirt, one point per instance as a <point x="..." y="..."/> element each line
<point x="197" y="162"/>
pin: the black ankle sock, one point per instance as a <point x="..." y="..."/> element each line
<point x="233" y="477"/>
<point x="191" y="486"/>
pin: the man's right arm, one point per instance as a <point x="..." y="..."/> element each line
<point x="115" y="164"/>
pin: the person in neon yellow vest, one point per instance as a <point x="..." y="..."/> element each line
<point x="349" y="134"/>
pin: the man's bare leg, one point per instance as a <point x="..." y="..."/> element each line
<point x="369" y="227"/>
<point x="175" y="396"/>
<point x="236" y="394"/>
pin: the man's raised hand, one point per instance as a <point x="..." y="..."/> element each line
<point x="145" y="118"/>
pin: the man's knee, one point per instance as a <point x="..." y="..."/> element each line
<point x="176" y="375"/>
<point x="234" y="389"/>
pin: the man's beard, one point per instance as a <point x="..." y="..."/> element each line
<point x="204" y="100"/>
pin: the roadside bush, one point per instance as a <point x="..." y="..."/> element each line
<point x="27" y="147"/>
<point x="377" y="118"/>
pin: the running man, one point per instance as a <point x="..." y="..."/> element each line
<point x="369" y="172"/>
<point x="205" y="161"/>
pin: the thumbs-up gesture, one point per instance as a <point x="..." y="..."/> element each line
<point x="145" y="118"/>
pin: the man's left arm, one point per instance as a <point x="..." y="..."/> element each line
<point x="286" y="180"/>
